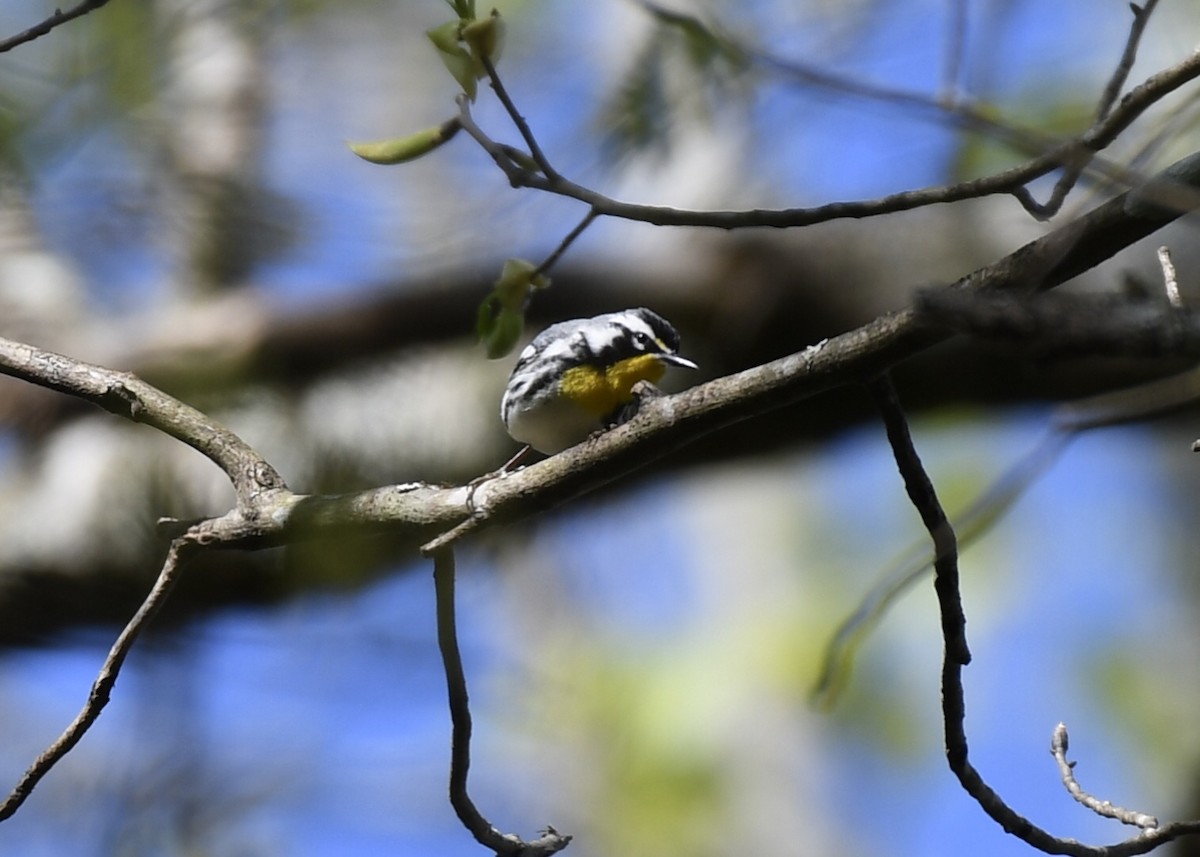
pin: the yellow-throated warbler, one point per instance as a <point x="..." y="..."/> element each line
<point x="577" y="376"/>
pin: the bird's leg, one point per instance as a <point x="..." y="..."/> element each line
<point x="642" y="391"/>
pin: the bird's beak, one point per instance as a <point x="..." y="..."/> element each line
<point x="676" y="360"/>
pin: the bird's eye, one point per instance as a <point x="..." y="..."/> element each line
<point x="641" y="340"/>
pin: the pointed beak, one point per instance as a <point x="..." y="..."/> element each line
<point x="676" y="360"/>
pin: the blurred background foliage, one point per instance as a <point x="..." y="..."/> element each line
<point x="177" y="200"/>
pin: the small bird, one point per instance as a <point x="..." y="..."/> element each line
<point x="577" y="377"/>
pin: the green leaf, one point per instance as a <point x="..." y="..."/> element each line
<point x="516" y="281"/>
<point x="399" y="150"/>
<point x="500" y="319"/>
<point x="485" y="38"/>
<point x="498" y="327"/>
<point x="464" y="9"/>
<point x="457" y="59"/>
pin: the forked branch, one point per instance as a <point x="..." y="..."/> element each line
<point x="946" y="585"/>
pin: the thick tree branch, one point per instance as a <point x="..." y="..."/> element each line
<point x="126" y="395"/>
<point x="1068" y="325"/>
<point x="270" y="514"/>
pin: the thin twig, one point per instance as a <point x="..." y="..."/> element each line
<point x="1010" y="181"/>
<point x="921" y="492"/>
<point x="1013" y="181"/>
<point x="1141" y="17"/>
<point x="103" y="685"/>
<point x="956" y="48"/>
<point x="1073" y="170"/>
<point x="553" y="258"/>
<point x="535" y="150"/>
<point x="924" y="498"/>
<point x="46" y="26"/>
<point x="1058" y="748"/>
<point x="460" y="722"/>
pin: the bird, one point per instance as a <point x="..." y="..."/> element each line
<point x="577" y="377"/>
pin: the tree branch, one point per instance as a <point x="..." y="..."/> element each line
<point x="126" y="395"/>
<point x="460" y="719"/>
<point x="177" y="555"/>
<point x="268" y="513"/>
<point x="1058" y="748"/>
<point x="924" y="498"/>
<point x="1073" y="171"/>
<point x="1061" y="154"/>
<point x="1068" y="325"/>
<point x="54" y="21"/>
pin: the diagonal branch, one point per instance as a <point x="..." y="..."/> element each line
<point x="1073" y="171"/>
<point x="270" y="514"/>
<point x="128" y="396"/>
<point x="180" y="550"/>
<point x="54" y="21"/>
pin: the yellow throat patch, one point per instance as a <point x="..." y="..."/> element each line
<point x="602" y="391"/>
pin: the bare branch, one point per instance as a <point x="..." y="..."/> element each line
<point x="535" y="150"/>
<point x="460" y="719"/>
<point x="924" y="498"/>
<point x="269" y="514"/>
<point x="1073" y="171"/>
<point x="1141" y="17"/>
<point x="1053" y="154"/>
<point x="921" y="492"/>
<point x="1068" y="420"/>
<point x="551" y="260"/>
<point x="54" y="21"/>
<point x="1058" y="748"/>
<point x="102" y="687"/>
<point x="126" y="395"/>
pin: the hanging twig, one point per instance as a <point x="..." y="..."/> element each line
<point x="484" y="832"/>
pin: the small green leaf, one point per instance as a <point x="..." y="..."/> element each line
<point x="498" y="327"/>
<point x="457" y="59"/>
<point x="516" y="281"/>
<point x="485" y="38"/>
<point x="464" y="9"/>
<point x="501" y="316"/>
<point x="399" y="150"/>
